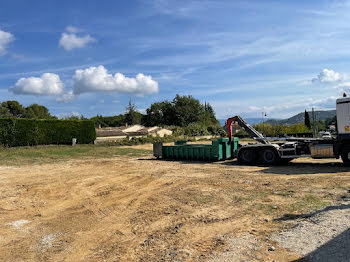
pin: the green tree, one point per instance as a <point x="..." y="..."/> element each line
<point x="331" y="120"/>
<point x="132" y="116"/>
<point x="37" y="111"/>
<point x="187" y="110"/>
<point x="321" y="125"/>
<point x="307" y="120"/>
<point x="12" y="109"/>
<point x="209" y="110"/>
<point x="109" y="121"/>
<point x="297" y="128"/>
<point x="160" y="114"/>
<point x="265" y="128"/>
<point x="4" y="112"/>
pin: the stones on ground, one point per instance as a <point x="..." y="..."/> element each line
<point x="323" y="236"/>
<point x="271" y="248"/>
<point x="239" y="248"/>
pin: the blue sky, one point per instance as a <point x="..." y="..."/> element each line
<point x="243" y="57"/>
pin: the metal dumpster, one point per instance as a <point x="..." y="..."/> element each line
<point x="221" y="149"/>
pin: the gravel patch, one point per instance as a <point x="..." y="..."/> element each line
<point x="321" y="236"/>
<point x="239" y="248"/>
<point x="46" y="242"/>
<point x="18" y="223"/>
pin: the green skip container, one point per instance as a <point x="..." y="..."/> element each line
<point x="220" y="149"/>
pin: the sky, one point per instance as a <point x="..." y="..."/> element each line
<point x="243" y="57"/>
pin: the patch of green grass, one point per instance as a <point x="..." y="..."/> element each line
<point x="47" y="154"/>
<point x="309" y="202"/>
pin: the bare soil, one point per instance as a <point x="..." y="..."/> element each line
<point x="129" y="208"/>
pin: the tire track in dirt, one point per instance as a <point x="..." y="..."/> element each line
<point x="128" y="209"/>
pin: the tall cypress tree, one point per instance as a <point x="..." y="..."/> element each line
<point x="307" y="120"/>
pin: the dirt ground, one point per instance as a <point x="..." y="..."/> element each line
<point x="142" y="209"/>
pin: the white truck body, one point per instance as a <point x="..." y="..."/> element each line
<point x="343" y="115"/>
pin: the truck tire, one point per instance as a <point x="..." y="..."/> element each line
<point x="345" y="155"/>
<point x="246" y="156"/>
<point x="269" y="156"/>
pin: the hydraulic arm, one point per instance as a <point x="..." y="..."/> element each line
<point x="248" y="128"/>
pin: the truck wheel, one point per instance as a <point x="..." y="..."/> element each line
<point x="269" y="156"/>
<point x="345" y="155"/>
<point x="246" y="156"/>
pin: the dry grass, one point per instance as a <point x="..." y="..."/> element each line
<point x="52" y="153"/>
<point x="110" y="205"/>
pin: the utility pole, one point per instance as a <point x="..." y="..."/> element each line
<point x="313" y="123"/>
<point x="262" y="118"/>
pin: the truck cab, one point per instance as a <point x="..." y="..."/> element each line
<point x="342" y="145"/>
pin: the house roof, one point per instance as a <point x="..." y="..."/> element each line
<point x="136" y="130"/>
<point x="133" y="128"/>
<point x="111" y="132"/>
<point x="154" y="130"/>
<point x="137" y="133"/>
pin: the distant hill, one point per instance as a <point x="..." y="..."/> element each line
<point x="251" y="120"/>
<point x="299" y="118"/>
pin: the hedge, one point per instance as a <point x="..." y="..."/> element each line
<point x="28" y="132"/>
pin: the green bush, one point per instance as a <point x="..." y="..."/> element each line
<point x="279" y="130"/>
<point x="27" y="132"/>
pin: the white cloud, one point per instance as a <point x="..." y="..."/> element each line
<point x="47" y="84"/>
<point x="67" y="97"/>
<point x="97" y="79"/>
<point x="322" y="103"/>
<point x="70" y="40"/>
<point x="328" y="76"/>
<point x="273" y="106"/>
<point x="5" y="39"/>
<point x="336" y="80"/>
<point x="72" y="29"/>
<point x="254" y="109"/>
<point x="342" y="86"/>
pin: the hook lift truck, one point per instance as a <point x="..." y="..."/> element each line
<point x="265" y="152"/>
<point x="268" y="153"/>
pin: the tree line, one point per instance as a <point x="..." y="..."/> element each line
<point x="185" y="115"/>
<point x="16" y="110"/>
<point x="280" y="130"/>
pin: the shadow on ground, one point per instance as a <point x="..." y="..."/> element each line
<point x="297" y="168"/>
<point x="306" y="168"/>
<point x="182" y="161"/>
<point x="336" y="249"/>
<point x="286" y="217"/>
<point x="292" y="168"/>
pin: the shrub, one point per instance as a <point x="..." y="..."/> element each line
<point x="27" y="132"/>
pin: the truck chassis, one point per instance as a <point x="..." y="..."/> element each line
<point x="267" y="153"/>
